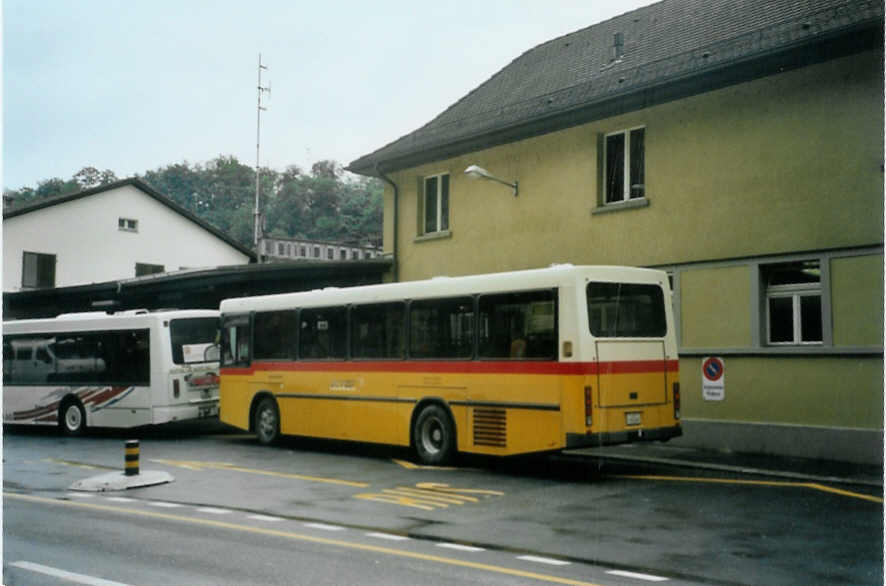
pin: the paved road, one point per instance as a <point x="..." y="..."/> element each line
<point x="582" y="520"/>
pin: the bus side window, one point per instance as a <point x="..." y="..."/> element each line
<point x="377" y="330"/>
<point x="518" y="326"/>
<point x="323" y="334"/>
<point x="442" y="328"/>
<point x="275" y="335"/>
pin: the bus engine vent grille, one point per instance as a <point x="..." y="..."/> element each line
<point x="490" y="427"/>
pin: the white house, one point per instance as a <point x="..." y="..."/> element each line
<point x="116" y="231"/>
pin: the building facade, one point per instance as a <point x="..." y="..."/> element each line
<point x="316" y="250"/>
<point x="122" y="230"/>
<point x="736" y="144"/>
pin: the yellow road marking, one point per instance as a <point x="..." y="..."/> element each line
<point x="778" y="483"/>
<point x="193" y="465"/>
<point x="428" y="496"/>
<point x="78" y="464"/>
<point x="410" y="466"/>
<point x="306" y="538"/>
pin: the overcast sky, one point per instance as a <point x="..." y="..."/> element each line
<point x="138" y="85"/>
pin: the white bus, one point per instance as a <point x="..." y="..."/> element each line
<point x="110" y="370"/>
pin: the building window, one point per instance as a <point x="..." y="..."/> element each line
<point x="436" y="204"/>
<point x="127" y="225"/>
<point x="793" y="303"/>
<point x="625" y="156"/>
<point x="343" y="254"/>
<point x="142" y="269"/>
<point x="301" y="252"/>
<point x="38" y="270"/>
<point x="330" y="253"/>
<point x="316" y="252"/>
<point x="281" y="251"/>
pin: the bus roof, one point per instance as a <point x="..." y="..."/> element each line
<point x="554" y="276"/>
<point x="99" y="320"/>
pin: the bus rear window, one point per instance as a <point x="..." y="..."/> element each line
<point x="191" y="337"/>
<point x="626" y="310"/>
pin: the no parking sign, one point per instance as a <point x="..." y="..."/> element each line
<point x="713" y="379"/>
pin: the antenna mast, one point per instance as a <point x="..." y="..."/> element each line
<point x="258" y="214"/>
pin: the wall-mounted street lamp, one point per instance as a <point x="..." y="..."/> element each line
<point x="475" y="172"/>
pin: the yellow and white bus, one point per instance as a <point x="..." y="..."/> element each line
<point x="124" y="369"/>
<point x="498" y="364"/>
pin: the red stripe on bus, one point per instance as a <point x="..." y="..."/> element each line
<point x="465" y="367"/>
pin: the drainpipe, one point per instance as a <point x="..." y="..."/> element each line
<point x="386" y="179"/>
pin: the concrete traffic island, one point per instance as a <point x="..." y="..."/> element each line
<point x="131" y="476"/>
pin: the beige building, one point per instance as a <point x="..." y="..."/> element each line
<point x="737" y="144"/>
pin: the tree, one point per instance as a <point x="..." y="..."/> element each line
<point x="89" y="177"/>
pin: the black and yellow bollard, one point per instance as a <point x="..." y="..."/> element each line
<point x="131" y="468"/>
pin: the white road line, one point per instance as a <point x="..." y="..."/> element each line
<point x="541" y="560"/>
<point x="214" y="511"/>
<point x="635" y="575"/>
<point x="64" y="575"/>
<point x="119" y="499"/>
<point x="324" y="526"/>
<point x="265" y="518"/>
<point x="80" y="495"/>
<point x="460" y="547"/>
<point x="164" y="505"/>
<point x="388" y="536"/>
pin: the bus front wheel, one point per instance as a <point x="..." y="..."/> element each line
<point x="434" y="436"/>
<point x="72" y="418"/>
<point x="267" y="421"/>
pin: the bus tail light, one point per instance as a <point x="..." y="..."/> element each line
<point x="588" y="407"/>
<point x="676" y="400"/>
<point x="176" y="390"/>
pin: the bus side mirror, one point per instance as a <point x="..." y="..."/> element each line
<point x="212" y="353"/>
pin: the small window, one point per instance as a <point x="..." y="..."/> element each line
<point x="518" y="326"/>
<point x="442" y="328"/>
<point x="127" y="225"/>
<point x="316" y="252"/>
<point x="38" y="270"/>
<point x="436" y="204"/>
<point x="330" y="253"/>
<point x="142" y="269"/>
<point x="236" y="343"/>
<point x="793" y="303"/>
<point x="323" y="334"/>
<point x="625" y="156"/>
<point x="626" y="310"/>
<point x="275" y="335"/>
<point x="378" y="331"/>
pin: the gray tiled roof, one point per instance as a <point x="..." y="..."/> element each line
<point x="575" y="78"/>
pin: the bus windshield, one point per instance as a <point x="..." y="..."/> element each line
<point x="625" y="310"/>
<point x="191" y="337"/>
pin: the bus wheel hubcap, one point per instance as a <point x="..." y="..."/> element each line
<point x="72" y="417"/>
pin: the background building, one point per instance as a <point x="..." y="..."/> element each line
<point x="316" y="250"/>
<point x="121" y="230"/>
<point x="737" y="144"/>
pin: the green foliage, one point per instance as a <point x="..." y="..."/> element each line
<point x="326" y="204"/>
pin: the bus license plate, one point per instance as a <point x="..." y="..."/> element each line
<point x="207" y="411"/>
<point x="634" y="418"/>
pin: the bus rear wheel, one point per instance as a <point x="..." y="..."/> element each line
<point x="433" y="436"/>
<point x="72" y="418"/>
<point x="266" y="421"/>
